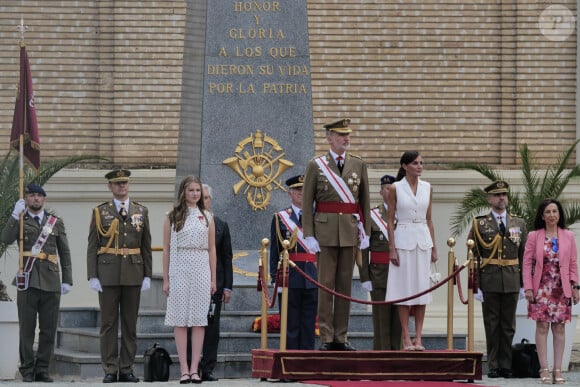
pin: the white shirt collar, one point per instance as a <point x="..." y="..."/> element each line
<point x="335" y="155"/>
<point x="118" y="204"/>
<point x="296" y="210"/>
<point x="502" y="216"/>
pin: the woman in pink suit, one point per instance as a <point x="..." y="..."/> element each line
<point x="550" y="275"/>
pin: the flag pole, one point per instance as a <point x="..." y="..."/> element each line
<point x="22" y="28"/>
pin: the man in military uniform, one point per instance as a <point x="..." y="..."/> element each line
<point x="374" y="273"/>
<point x="500" y="239"/>
<point x="119" y="269"/>
<point x="39" y="280"/>
<point x="335" y="203"/>
<point x="302" y="294"/>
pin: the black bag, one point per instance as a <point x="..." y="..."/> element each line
<point x="156" y="362"/>
<point x="525" y="363"/>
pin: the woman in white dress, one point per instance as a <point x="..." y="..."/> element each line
<point x="411" y="245"/>
<point x="189" y="272"/>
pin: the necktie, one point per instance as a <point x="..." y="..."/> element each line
<point x="501" y="225"/>
<point x="300" y="217"/>
<point x="340" y="163"/>
<point x="37" y="218"/>
<point x="123" y="211"/>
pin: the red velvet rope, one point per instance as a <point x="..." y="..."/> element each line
<point x="318" y="284"/>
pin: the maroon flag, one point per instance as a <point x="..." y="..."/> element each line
<point x="24" y="122"/>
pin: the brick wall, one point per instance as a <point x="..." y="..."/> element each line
<point x="457" y="80"/>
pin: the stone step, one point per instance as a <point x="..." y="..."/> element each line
<point x="79" y="357"/>
<point x="150" y="321"/>
<point x="83" y="365"/>
<point x="245" y="296"/>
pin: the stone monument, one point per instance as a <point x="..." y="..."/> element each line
<point x="246" y="117"/>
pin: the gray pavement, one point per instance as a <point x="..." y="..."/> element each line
<point x="572" y="378"/>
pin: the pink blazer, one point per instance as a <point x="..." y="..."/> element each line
<point x="566" y="253"/>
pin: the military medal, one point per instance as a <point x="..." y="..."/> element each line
<point x="137" y="221"/>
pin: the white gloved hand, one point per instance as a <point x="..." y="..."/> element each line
<point x="65" y="288"/>
<point x="312" y="244"/>
<point x="367" y="285"/>
<point x="365" y="242"/>
<point x="19" y="206"/>
<point x="479" y="295"/>
<point x="95" y="284"/>
<point x="522" y="294"/>
<point x="146" y="285"/>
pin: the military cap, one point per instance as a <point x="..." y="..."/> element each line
<point x="340" y="126"/>
<point x="33" y="188"/>
<point x="387" y="179"/>
<point x="295" y="182"/>
<point x="117" y="175"/>
<point x="497" y="187"/>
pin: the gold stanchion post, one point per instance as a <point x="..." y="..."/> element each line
<point x="470" y="306"/>
<point x="284" y="305"/>
<point x="263" y="263"/>
<point x="450" y="269"/>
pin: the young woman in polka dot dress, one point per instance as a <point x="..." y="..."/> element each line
<point x="189" y="267"/>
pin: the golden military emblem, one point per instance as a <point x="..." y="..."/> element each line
<point x="259" y="163"/>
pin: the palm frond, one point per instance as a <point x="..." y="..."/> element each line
<point x="535" y="188"/>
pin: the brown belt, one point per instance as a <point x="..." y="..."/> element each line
<point x="503" y="262"/>
<point x="302" y="257"/>
<point x="379" y="257"/>
<point x="122" y="251"/>
<point x="42" y="256"/>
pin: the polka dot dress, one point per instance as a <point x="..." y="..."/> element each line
<point x="189" y="273"/>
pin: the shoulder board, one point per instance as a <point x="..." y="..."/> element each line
<point x="137" y="204"/>
<point x="516" y="216"/>
<point x="481" y="216"/>
<point x="103" y="204"/>
<point x="51" y="212"/>
<point x="355" y="156"/>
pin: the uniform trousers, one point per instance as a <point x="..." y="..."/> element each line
<point x="211" y="338"/>
<point x="386" y="323"/>
<point x="32" y="304"/>
<point x="119" y="302"/>
<point x="499" y="320"/>
<point x="335" y="266"/>
<point x="301" y="321"/>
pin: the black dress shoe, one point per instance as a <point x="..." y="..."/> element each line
<point x="28" y="378"/>
<point x="493" y="373"/>
<point x="110" y="378"/>
<point x="128" y="378"/>
<point x="343" y="346"/>
<point x="43" y="377"/>
<point x="326" y="347"/>
<point x="505" y="373"/>
<point x="208" y="377"/>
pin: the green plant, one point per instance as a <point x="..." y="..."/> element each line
<point x="537" y="185"/>
<point x="10" y="192"/>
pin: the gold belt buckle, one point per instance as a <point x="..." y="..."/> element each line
<point x="124" y="251"/>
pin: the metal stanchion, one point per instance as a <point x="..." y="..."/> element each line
<point x="450" y="269"/>
<point x="470" y="306"/>
<point x="263" y="263"/>
<point x="284" y="303"/>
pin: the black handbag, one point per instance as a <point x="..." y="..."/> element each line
<point x="525" y="362"/>
<point x="156" y="364"/>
